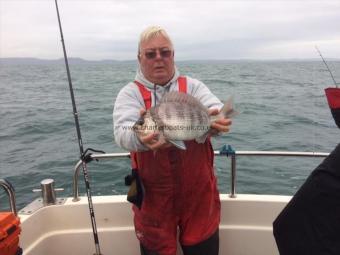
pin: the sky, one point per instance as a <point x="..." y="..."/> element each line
<point x="201" y="29"/>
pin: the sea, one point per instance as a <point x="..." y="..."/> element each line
<point x="282" y="107"/>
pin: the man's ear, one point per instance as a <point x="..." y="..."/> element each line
<point x="138" y="56"/>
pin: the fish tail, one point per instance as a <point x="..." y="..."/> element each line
<point x="228" y="110"/>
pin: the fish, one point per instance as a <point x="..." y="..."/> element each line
<point x="180" y="117"/>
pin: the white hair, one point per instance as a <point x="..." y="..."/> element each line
<point x="152" y="32"/>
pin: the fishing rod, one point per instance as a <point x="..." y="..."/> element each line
<point x="336" y="85"/>
<point x="80" y="142"/>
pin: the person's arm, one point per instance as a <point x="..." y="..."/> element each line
<point x="200" y="91"/>
<point x="125" y="114"/>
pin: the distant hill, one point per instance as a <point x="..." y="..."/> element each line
<point x="38" y="61"/>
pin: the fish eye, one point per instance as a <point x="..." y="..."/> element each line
<point x="140" y="121"/>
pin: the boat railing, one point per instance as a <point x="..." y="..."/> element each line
<point x="226" y="151"/>
<point x="11" y="194"/>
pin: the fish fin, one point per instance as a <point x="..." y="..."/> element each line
<point x="228" y="110"/>
<point x="178" y="144"/>
<point x="161" y="138"/>
<point x="182" y="98"/>
<point x="202" y="138"/>
<point x="174" y="96"/>
<point x="154" y="153"/>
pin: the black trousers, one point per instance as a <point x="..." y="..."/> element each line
<point x="206" y="247"/>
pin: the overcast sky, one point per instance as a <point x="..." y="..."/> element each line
<point x="109" y="29"/>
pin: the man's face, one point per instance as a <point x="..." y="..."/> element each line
<point x="156" y="59"/>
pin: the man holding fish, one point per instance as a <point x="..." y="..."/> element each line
<point x="165" y="120"/>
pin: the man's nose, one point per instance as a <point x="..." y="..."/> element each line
<point x="158" y="54"/>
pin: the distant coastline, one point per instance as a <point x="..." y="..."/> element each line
<point x="39" y="61"/>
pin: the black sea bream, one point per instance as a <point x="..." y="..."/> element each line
<point x="180" y="117"/>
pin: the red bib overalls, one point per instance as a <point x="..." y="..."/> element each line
<point x="180" y="192"/>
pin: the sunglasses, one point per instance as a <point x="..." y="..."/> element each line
<point x="163" y="52"/>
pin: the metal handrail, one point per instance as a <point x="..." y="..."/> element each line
<point x="93" y="156"/>
<point x="11" y="194"/>
<point x="264" y="153"/>
<point x="233" y="155"/>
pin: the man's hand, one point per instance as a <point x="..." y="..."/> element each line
<point x="219" y="125"/>
<point x="153" y="141"/>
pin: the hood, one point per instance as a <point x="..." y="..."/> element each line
<point x="140" y="78"/>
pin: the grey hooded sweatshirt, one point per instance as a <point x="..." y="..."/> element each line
<point x="129" y="102"/>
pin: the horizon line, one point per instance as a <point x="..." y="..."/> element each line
<point x="180" y="60"/>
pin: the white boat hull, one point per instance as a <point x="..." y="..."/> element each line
<point x="245" y="229"/>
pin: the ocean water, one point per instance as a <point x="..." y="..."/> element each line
<point x="282" y="107"/>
